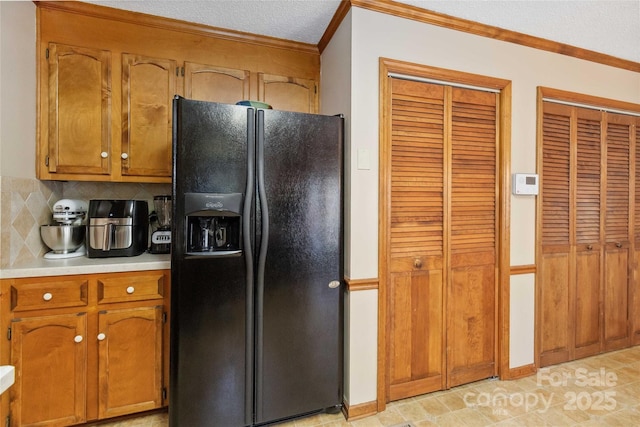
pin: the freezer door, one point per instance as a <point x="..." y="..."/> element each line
<point x="298" y="294"/>
<point x="212" y="297"/>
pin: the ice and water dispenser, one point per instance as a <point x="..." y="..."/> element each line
<point x="213" y="224"/>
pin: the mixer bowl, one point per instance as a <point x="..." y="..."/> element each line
<point x="62" y="239"/>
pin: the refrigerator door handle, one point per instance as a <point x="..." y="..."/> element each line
<point x="248" y="253"/>
<point x="262" y="256"/>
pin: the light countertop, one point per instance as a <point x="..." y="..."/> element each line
<point x="7" y="377"/>
<point x="83" y="265"/>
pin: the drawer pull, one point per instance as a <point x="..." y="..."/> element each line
<point x="101" y="336"/>
<point x="130" y="290"/>
<point x="417" y="263"/>
<point x="618" y="245"/>
<point x="78" y="338"/>
<point x="47" y="296"/>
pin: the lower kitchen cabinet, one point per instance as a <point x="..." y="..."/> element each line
<point x="129" y="360"/>
<point x="86" y="347"/>
<point x="50" y="357"/>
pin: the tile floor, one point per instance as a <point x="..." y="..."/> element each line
<point x="601" y="390"/>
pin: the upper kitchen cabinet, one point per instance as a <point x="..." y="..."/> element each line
<point x="79" y="110"/>
<point x="288" y="93"/>
<point x="107" y="78"/>
<point x="215" y="84"/>
<point x="148" y="86"/>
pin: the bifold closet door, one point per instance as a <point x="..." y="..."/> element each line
<point x="442" y="238"/>
<point x="472" y="237"/>
<point x="587" y="194"/>
<point x="415" y="331"/>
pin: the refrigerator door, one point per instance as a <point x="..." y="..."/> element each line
<point x="298" y="293"/>
<point x="212" y="297"/>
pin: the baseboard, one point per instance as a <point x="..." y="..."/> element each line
<point x="361" y="410"/>
<point x="519" y="372"/>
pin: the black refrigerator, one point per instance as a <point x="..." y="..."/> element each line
<point x="256" y="265"/>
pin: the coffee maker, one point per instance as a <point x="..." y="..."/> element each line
<point x="161" y="236"/>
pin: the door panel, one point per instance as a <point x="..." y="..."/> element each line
<point x="588" y="282"/>
<point x="299" y="339"/>
<point x="215" y="84"/>
<point x="50" y="356"/>
<point x="416" y="333"/>
<point x="471" y="314"/>
<point x="288" y="93"/>
<point x="556" y="309"/>
<point x="587" y="297"/>
<point x="416" y="248"/>
<point x="211" y="326"/>
<point x="79" y="110"/>
<point x="616" y="281"/>
<point x="148" y="87"/>
<point x="130" y="361"/>
<point x="471" y="299"/>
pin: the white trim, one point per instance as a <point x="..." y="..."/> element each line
<point x="441" y="82"/>
<point x="593" y="107"/>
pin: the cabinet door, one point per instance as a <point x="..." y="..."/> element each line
<point x="50" y="356"/>
<point x="129" y="361"/>
<point x="215" y="84"/>
<point x="79" y="110"/>
<point x="148" y="87"/>
<point x="288" y="93"/>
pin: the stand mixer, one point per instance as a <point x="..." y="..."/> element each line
<point x="161" y="236"/>
<point x="65" y="237"/>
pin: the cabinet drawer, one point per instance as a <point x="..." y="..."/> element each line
<point x="130" y="288"/>
<point x="48" y="294"/>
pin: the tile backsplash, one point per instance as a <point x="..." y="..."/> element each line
<point x="25" y="204"/>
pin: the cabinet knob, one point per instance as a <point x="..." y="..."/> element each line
<point x="589" y="247"/>
<point x="104" y="154"/>
<point x="618" y="245"/>
<point x="417" y="263"/>
<point x="101" y="336"/>
<point x="130" y="290"/>
<point x="47" y="296"/>
<point x="78" y="338"/>
<point x="124" y="156"/>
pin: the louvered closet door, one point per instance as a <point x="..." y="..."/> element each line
<point x="442" y="241"/>
<point x="415" y="286"/>
<point x="556" y="279"/>
<point x="616" y="267"/>
<point x="587" y="198"/>
<point x="587" y="236"/>
<point x="472" y="237"/>
<point x="635" y="312"/>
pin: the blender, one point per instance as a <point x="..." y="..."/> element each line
<point x="161" y="236"/>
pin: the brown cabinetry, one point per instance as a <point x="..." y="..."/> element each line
<point x="79" y="110"/>
<point x="86" y="347"/>
<point x="105" y="97"/>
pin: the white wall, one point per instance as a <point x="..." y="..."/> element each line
<point x="375" y="35"/>
<point x="17" y="89"/>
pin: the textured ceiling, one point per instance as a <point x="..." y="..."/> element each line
<point x="606" y="26"/>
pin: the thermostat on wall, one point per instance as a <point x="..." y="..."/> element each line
<point x="525" y="183"/>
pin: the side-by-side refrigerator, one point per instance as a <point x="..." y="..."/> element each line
<point x="256" y="265"/>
